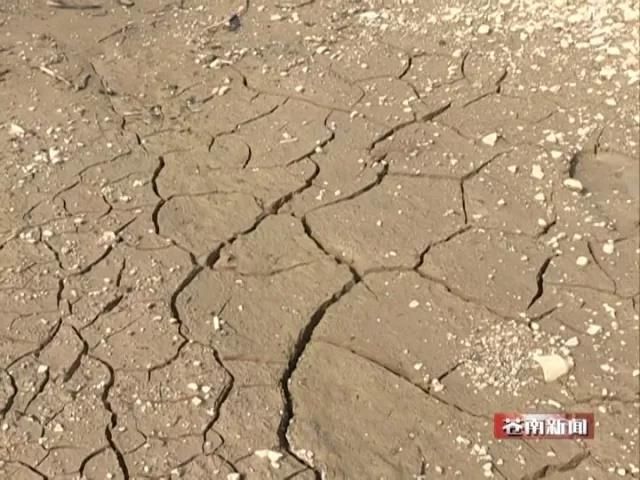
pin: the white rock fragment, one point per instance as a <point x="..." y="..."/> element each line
<point x="553" y="366"/>
<point x="275" y="17"/>
<point x="196" y="401"/>
<point x="536" y="172"/>
<point x="573" y="184"/>
<point x="273" y="457"/>
<point x="609" y="247"/>
<point x="594" y="329"/>
<point x="55" y="156"/>
<point x="605" y="367"/>
<point x="490" y="139"/>
<point x="582" y="261"/>
<point x="572" y="342"/>
<point x="512" y="168"/>
<point x="58" y="428"/>
<point x="16" y="131"/>
<point x="369" y="16"/>
<point x="484" y="29"/>
<point x="193" y="386"/>
<point x="607" y="72"/>
<point x="42" y="368"/>
<point x="610" y="310"/>
<point x="234" y="476"/>
<point x="216" y="323"/>
<point x="108" y="237"/>
<point x="223" y="89"/>
<point x="414" y="304"/>
<point x="436" y="386"/>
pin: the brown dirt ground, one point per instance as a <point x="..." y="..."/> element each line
<point x="323" y="241"/>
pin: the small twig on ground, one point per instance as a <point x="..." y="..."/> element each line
<point x="120" y="30"/>
<point x="57" y="76"/>
<point x="63" y="4"/>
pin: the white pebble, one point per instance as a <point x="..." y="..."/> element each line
<point x="490" y="139"/>
<point x="573" y="184"/>
<point x="594" y="329"/>
<point x="608" y="247"/>
<point x="582" y="261"/>
<point x="536" y="172"/>
<point x="572" y="342"/>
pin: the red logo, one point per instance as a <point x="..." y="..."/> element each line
<point x="544" y="425"/>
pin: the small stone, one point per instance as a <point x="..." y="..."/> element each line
<point x="193" y="386"/>
<point x="233" y="476"/>
<point x="484" y="29"/>
<point x="42" y="369"/>
<point x="607" y="72"/>
<point x="223" y="89"/>
<point x="593" y="329"/>
<point x="436" y="385"/>
<point x="573" y="184"/>
<point x="536" y="172"/>
<point x="582" y="261"/>
<point x="414" y="304"/>
<point x="55" y="156"/>
<point x="275" y="17"/>
<point x="58" y="428"/>
<point x="608" y="247"/>
<point x="512" y="168"/>
<point x="539" y="197"/>
<point x="572" y="342"/>
<point x="299" y="89"/>
<point x="16" y="131"/>
<point x="273" y="456"/>
<point x="621" y="471"/>
<point x="490" y="139"/>
<point x="108" y="237"/>
<point x="196" y="401"/>
<point x="553" y="366"/>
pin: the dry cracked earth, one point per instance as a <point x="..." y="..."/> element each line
<point x="317" y="239"/>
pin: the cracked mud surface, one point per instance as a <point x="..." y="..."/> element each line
<point x="318" y="240"/>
